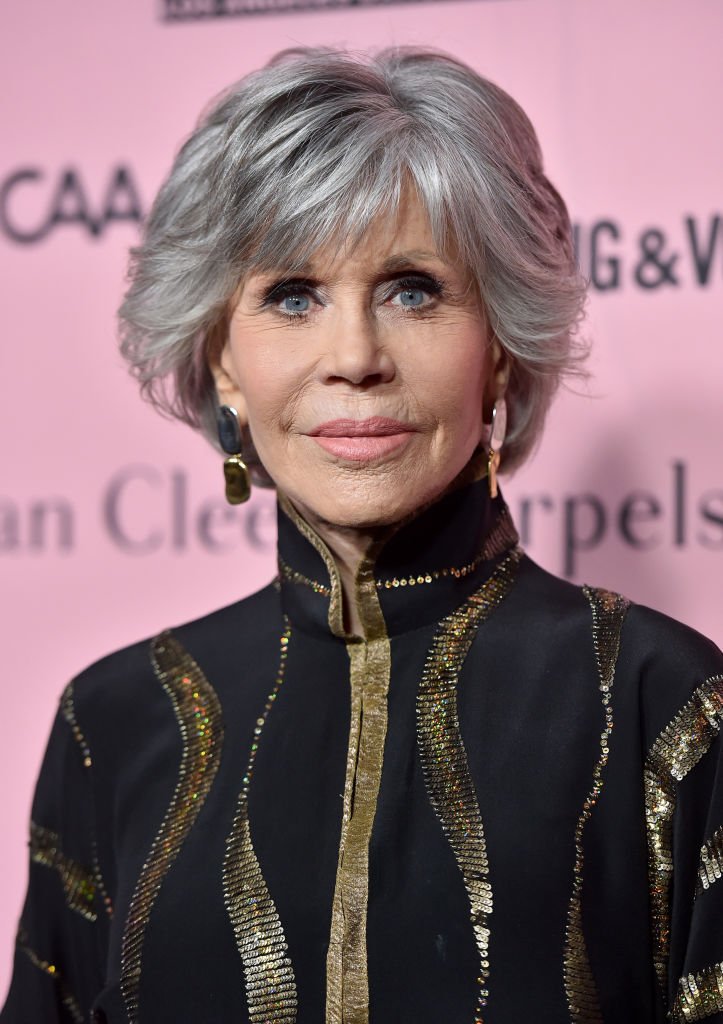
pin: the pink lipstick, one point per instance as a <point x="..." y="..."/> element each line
<point x="362" y="440"/>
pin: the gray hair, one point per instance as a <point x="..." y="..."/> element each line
<point x="309" y="150"/>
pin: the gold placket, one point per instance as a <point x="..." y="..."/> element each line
<point x="347" y="987"/>
<point x="370" y="663"/>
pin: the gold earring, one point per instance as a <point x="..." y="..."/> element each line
<point x="498" y="430"/>
<point x="493" y="463"/>
<point x="238" y="480"/>
<point x="235" y="470"/>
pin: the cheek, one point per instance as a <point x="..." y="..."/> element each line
<point x="263" y="380"/>
<point x="459" y="384"/>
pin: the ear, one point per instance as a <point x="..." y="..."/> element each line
<point x="225" y="375"/>
<point x="498" y="377"/>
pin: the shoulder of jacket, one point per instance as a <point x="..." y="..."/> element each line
<point x="660" y="639"/>
<point x="649" y="638"/>
<point x="126" y="674"/>
<point x="674" y="664"/>
<point x="555" y="598"/>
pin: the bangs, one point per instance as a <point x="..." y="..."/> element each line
<point x="327" y="190"/>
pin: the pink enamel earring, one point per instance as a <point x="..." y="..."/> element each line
<point x="497" y="437"/>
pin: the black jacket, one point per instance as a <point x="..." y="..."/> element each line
<point x="505" y="804"/>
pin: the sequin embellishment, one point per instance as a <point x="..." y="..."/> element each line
<point x="500" y="539"/>
<point x="298" y="577"/>
<point x="711" y="861"/>
<point x="269" y="975"/>
<point x="678" y="748"/>
<point x="444" y="758"/>
<point x="67" y="707"/>
<point x="699" y="995"/>
<point x="347" y="981"/>
<point x="198" y="713"/>
<point x="608" y="614"/>
<point x="78" y="883"/>
<point x="68" y="1000"/>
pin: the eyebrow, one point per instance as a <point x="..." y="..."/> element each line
<point x="401" y="260"/>
<point x="397" y="261"/>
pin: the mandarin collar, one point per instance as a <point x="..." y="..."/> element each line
<point x="414" y="575"/>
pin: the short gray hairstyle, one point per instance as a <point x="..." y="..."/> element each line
<point x="310" y="149"/>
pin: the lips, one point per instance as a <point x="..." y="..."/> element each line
<point x="362" y="440"/>
<point x="375" y="426"/>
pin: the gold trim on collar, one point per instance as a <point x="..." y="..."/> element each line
<point x="502" y="537"/>
<point x="336" y="609"/>
<point x="293" y="576"/>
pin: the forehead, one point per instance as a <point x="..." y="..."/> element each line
<point x="394" y="239"/>
<point x="391" y="235"/>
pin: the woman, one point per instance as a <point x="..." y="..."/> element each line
<point x="416" y="778"/>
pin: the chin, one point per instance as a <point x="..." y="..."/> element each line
<point x="368" y="498"/>
<point x="371" y="511"/>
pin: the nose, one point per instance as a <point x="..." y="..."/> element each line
<point x="354" y="352"/>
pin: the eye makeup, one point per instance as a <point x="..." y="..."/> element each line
<point x="278" y="290"/>
<point x="281" y="289"/>
<point x="415" y="281"/>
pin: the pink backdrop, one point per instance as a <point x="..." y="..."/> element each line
<point x="112" y="522"/>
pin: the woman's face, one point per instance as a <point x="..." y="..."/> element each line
<point x="363" y="378"/>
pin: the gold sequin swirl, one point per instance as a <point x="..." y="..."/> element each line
<point x="711" y="861"/>
<point x="198" y="714"/>
<point x="268" y="972"/>
<point x="67" y="707"/>
<point x="51" y="971"/>
<point x="444" y="759"/>
<point x="677" y="749"/>
<point x="699" y="995"/>
<point x="608" y="614"/>
<point x="79" y="883"/>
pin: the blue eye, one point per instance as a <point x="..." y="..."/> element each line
<point x="412" y="297"/>
<point x="295" y="303"/>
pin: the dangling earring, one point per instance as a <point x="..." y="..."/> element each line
<point x="498" y="430"/>
<point x="235" y="470"/>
